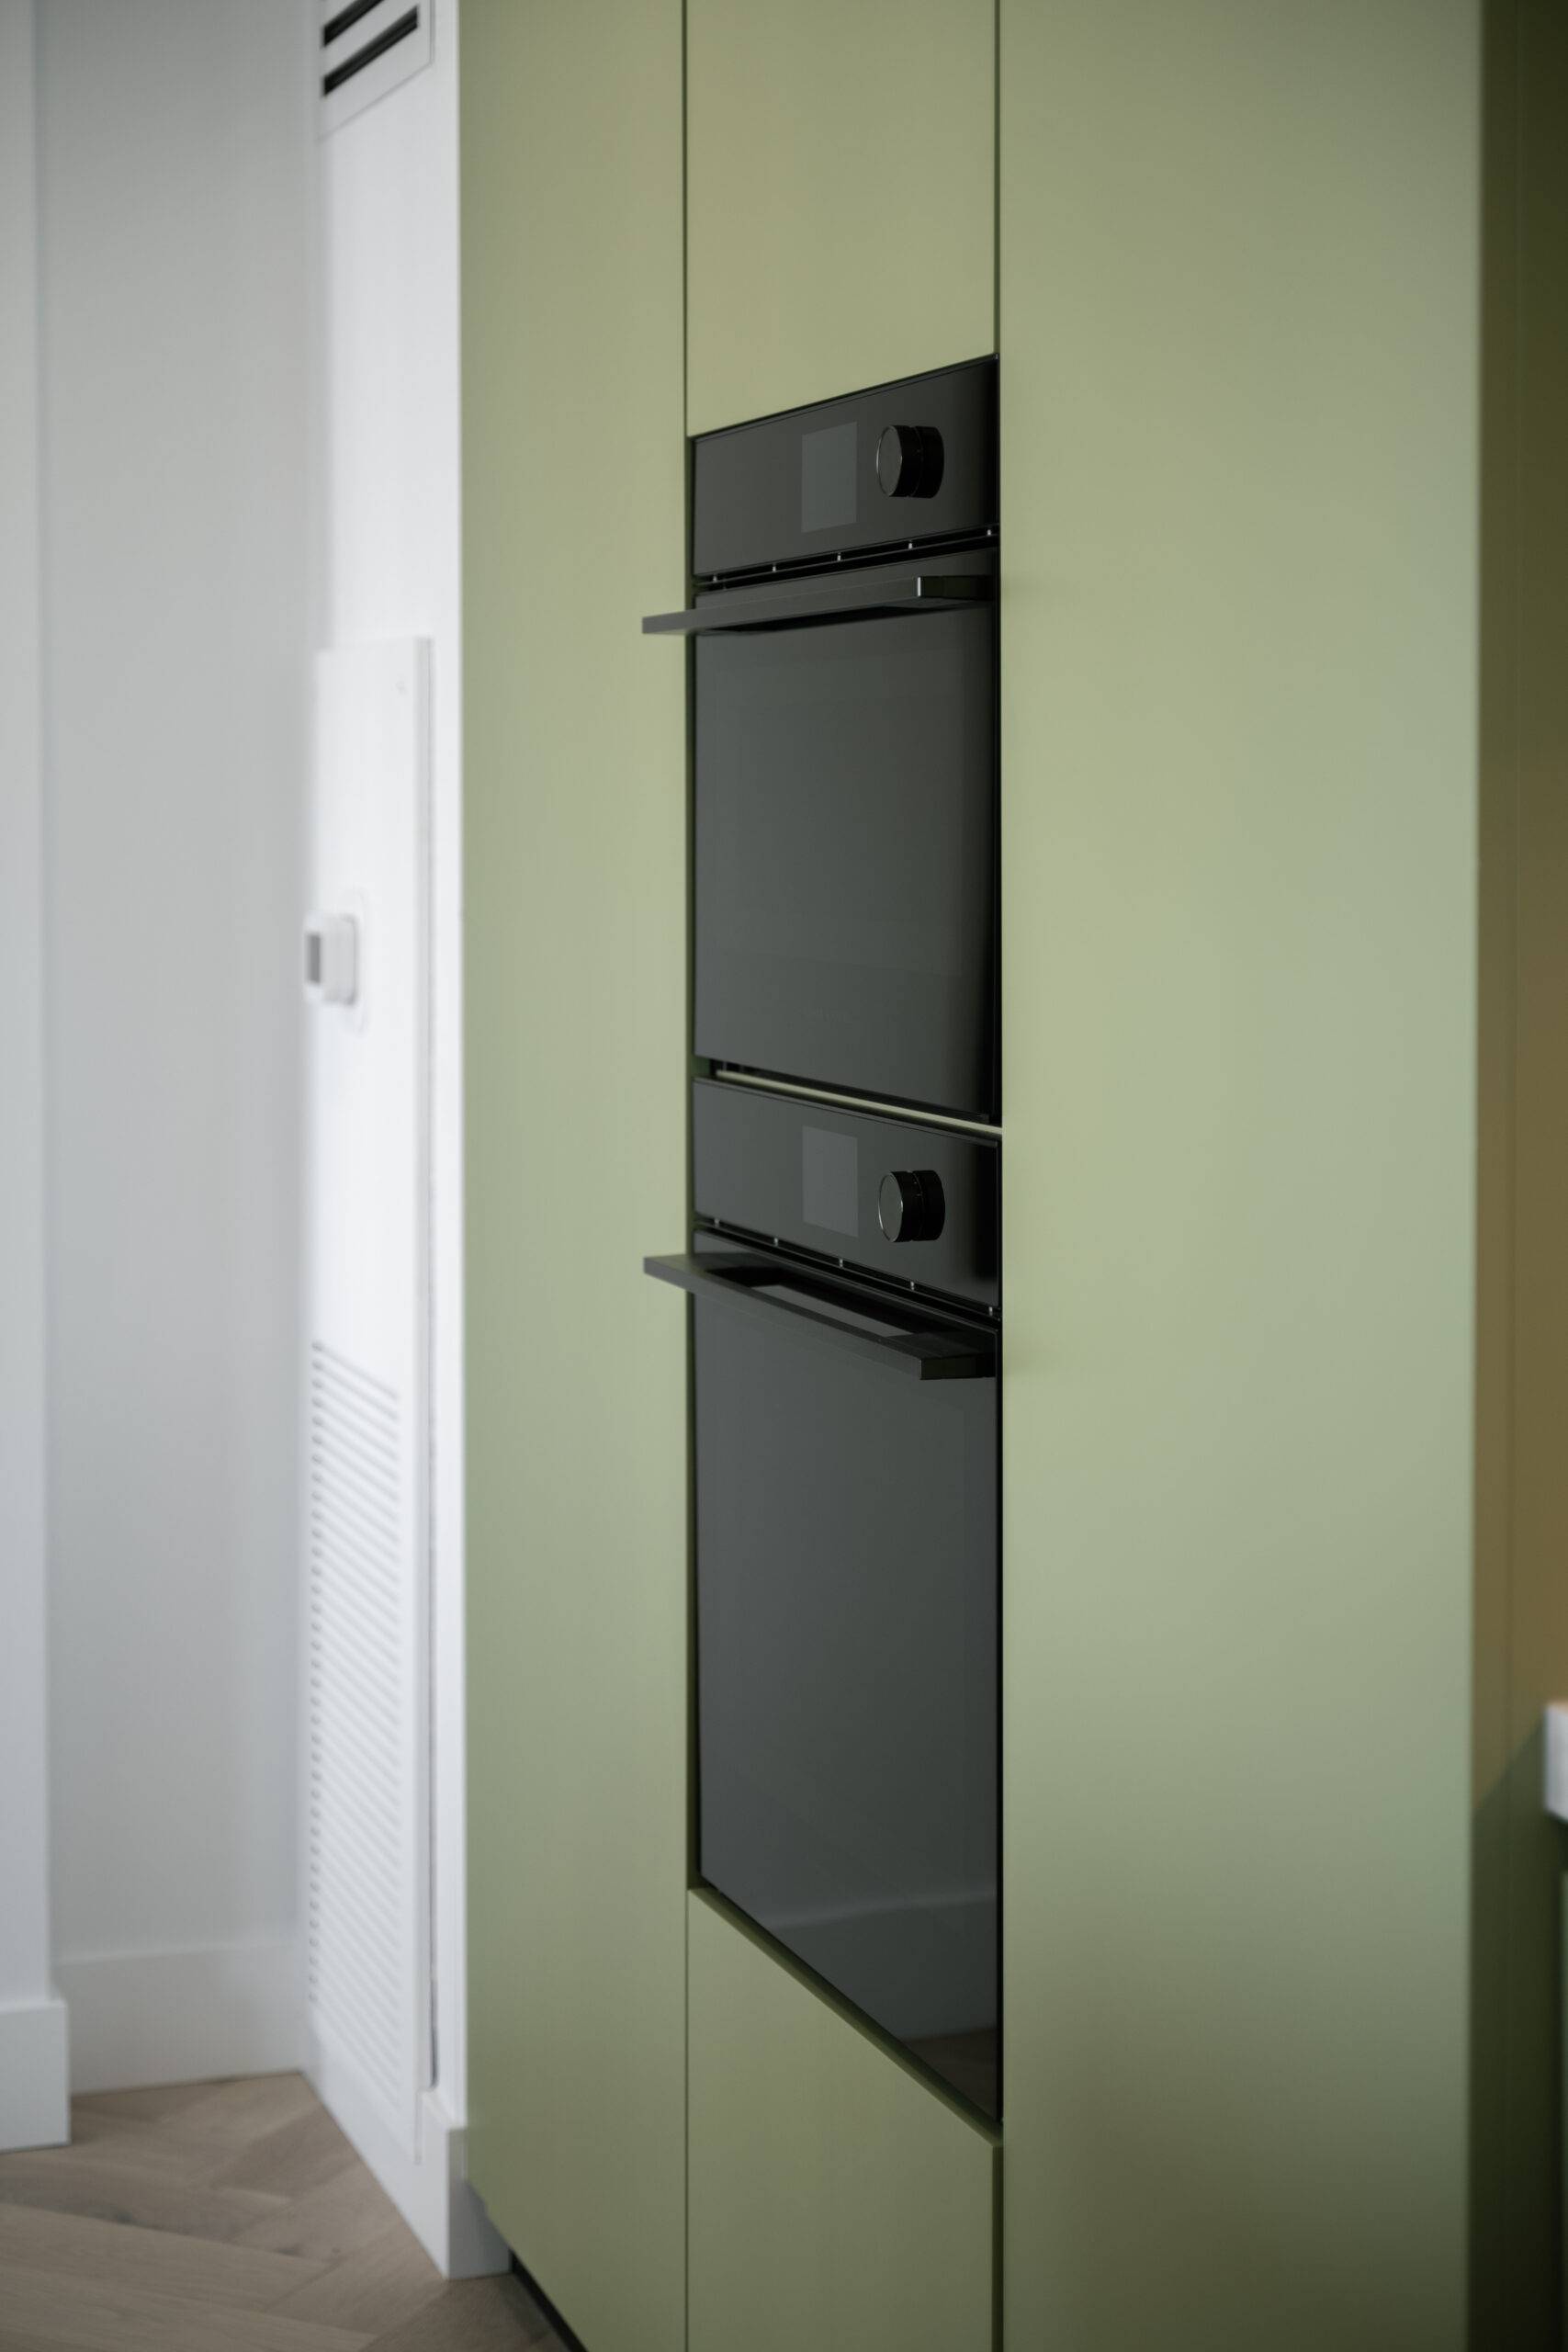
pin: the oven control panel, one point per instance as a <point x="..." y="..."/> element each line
<point x="909" y="461"/>
<point x="817" y="484"/>
<point x="911" y="1205"/>
<point x="916" y="1204"/>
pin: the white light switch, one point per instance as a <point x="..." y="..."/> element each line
<point x="331" y="958"/>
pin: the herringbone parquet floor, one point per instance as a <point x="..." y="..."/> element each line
<point x="227" y="2217"/>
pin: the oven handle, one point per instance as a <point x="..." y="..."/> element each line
<point x="938" y="1352"/>
<point x="914" y="591"/>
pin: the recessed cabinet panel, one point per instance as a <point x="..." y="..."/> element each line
<point x="835" y="2201"/>
<point x="841" y="197"/>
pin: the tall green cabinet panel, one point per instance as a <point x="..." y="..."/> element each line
<point x="573" y="467"/>
<point x="836" y="2200"/>
<point x="841" y="197"/>
<point x="1239" y="311"/>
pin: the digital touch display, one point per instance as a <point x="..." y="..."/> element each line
<point x="830" y="1167"/>
<point x="827" y="478"/>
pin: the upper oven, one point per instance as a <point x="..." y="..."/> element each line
<point x="846" y="759"/>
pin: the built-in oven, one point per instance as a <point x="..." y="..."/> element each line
<point x="844" y="1275"/>
<point x="845" y="826"/>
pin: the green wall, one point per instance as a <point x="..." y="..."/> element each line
<point x="1239" y="280"/>
<point x="574" y="727"/>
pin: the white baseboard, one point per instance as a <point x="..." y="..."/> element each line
<point x="35" y="2096"/>
<point x="428" y="2187"/>
<point x="183" y="2016"/>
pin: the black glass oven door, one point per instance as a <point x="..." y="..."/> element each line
<point x="846" y="1663"/>
<point x="846" y="849"/>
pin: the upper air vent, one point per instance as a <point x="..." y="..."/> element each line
<point x="367" y="48"/>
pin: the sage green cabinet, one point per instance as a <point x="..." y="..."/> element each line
<point x="841" y="197"/>
<point x="1240" y="434"/>
<point x="575" y="1013"/>
<point x="1271" y="572"/>
<point x="837" y="2200"/>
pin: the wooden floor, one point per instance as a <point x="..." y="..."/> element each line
<point x="227" y="2217"/>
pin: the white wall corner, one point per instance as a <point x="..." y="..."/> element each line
<point x="140" y="2017"/>
<point x="173" y="1110"/>
<point x="35" y="2094"/>
<point x="430" y="2189"/>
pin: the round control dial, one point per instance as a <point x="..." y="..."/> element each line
<point x="908" y="460"/>
<point x="910" y="1205"/>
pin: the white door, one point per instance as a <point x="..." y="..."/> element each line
<point x="367" y="1402"/>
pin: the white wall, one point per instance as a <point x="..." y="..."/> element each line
<point x="32" y="2023"/>
<point x="175" y="146"/>
<point x="389" y="558"/>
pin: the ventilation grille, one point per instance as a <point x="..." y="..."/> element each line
<point x="367" y="48"/>
<point x="362" y="1983"/>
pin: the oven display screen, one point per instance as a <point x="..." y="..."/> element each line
<point x="830" y="1180"/>
<point x="827" y="478"/>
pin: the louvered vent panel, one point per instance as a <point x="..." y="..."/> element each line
<point x="361" y="1865"/>
<point x="367" y="48"/>
<point x="366" y="1526"/>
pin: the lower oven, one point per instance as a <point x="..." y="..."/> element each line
<point x="846" y="1462"/>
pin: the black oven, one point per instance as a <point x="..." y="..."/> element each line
<point x="844" y="1264"/>
<point x="846" y="1436"/>
<point x="845" y="700"/>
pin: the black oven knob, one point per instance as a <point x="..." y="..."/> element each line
<point x="908" y="460"/>
<point x="909" y="1206"/>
